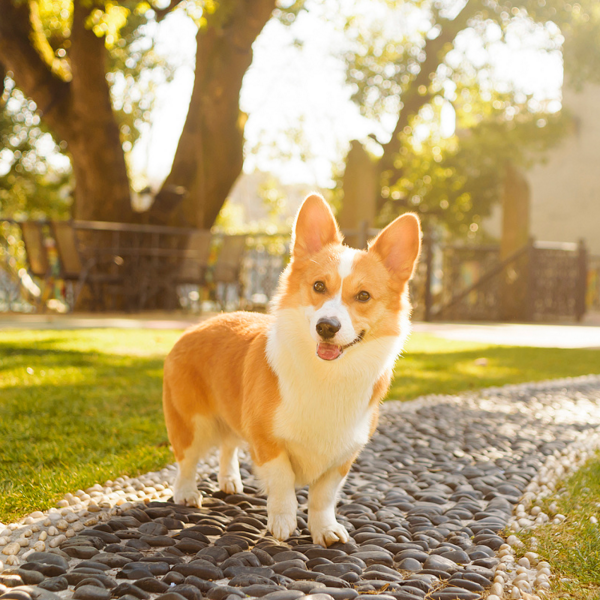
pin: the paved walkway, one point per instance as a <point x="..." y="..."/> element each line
<point x="512" y="334"/>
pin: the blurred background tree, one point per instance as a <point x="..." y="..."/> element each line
<point x="67" y="57"/>
<point x="87" y="71"/>
<point x="410" y="64"/>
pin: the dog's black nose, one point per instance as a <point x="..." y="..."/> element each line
<point x="328" y="327"/>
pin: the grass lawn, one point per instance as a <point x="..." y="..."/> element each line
<point x="573" y="547"/>
<point x="80" y="407"/>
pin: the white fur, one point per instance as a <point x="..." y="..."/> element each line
<point x="335" y="307"/>
<point x="337" y="391"/>
<point x="278" y="478"/>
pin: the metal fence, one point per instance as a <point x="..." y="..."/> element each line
<point x="543" y="281"/>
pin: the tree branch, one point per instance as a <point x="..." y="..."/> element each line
<point x="412" y="100"/>
<point x="31" y="73"/>
<point x="161" y="13"/>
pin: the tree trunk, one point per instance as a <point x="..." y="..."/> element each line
<point x="209" y="155"/>
<point x="79" y="112"/>
<point x="102" y="184"/>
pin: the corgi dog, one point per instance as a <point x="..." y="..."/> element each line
<point x="301" y="386"/>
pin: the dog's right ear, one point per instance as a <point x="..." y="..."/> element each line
<point x="315" y="227"/>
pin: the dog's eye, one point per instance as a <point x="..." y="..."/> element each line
<point x="319" y="287"/>
<point x="363" y="296"/>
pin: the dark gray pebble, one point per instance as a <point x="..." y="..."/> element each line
<point x="223" y="591"/>
<point x="55" y="584"/>
<point x="128" y="588"/>
<point x="339" y="593"/>
<point x="152" y="585"/>
<point x="91" y="592"/>
<point x="189" y="592"/>
<point x="259" y="590"/>
<point x="284" y="595"/>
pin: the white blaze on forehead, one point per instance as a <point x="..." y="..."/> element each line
<point x="346" y="262"/>
<point x="335" y="308"/>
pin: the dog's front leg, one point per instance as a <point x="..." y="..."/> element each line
<point x="279" y="480"/>
<point x="322" y="497"/>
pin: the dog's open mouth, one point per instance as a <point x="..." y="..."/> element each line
<point x="327" y="351"/>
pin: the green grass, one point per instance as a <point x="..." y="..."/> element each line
<point x="80" y="407"/>
<point x="573" y="547"/>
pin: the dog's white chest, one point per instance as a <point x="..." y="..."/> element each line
<point x="321" y="429"/>
<point x="324" y="417"/>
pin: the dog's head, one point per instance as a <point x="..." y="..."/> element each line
<point x="348" y="296"/>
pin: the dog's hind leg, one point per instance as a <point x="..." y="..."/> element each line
<point x="205" y="437"/>
<point x="230" y="480"/>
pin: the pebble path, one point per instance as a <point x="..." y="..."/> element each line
<point x="426" y="505"/>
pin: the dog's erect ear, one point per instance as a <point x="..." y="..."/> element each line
<point x="398" y="245"/>
<point x="315" y="227"/>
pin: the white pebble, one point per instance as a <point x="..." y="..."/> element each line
<point x="46" y="522"/>
<point x="62" y="503"/>
<point x="11" y="549"/>
<point x="37" y="514"/>
<point x="515" y="593"/>
<point x="3" y="541"/>
<point x="27" y="533"/>
<point x="52" y="531"/>
<point x="12" y="560"/>
<point x="39" y="546"/>
<point x="536" y="510"/>
<point x="55" y="542"/>
<point x="593" y="520"/>
<point x="23" y="542"/>
<point x="78" y="526"/>
<point x="70" y="533"/>
<point x="90" y="522"/>
<point x="512" y="540"/>
<point x="524" y="562"/>
<point x="493" y="597"/>
<point x="497" y="589"/>
<point x="71" y="518"/>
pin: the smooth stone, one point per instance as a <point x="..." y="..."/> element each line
<point x="171" y="596"/>
<point x="12" y="580"/>
<point x="131" y="590"/>
<point x="339" y="593"/>
<point x="222" y="592"/>
<point x="91" y="592"/>
<point x="284" y="595"/>
<point x="90" y="581"/>
<point x="375" y="557"/>
<point x="454" y="593"/>
<point x="174" y="577"/>
<point x="156" y="568"/>
<point x="318" y="596"/>
<point x="154" y="586"/>
<point x="411" y="553"/>
<point x="306" y="586"/>
<point x="200" y="568"/>
<point x="440" y="563"/>
<point x="112" y="561"/>
<point x="48" y="558"/>
<point x="153" y="528"/>
<point x="55" y="584"/>
<point x="46" y="570"/>
<point x="84" y="552"/>
<point x="259" y="590"/>
<point x="249" y="579"/>
<point x="409" y="564"/>
<point x="472" y="586"/>
<point x="189" y="592"/>
<point x="295" y="573"/>
<point x="337" y="570"/>
<point x="331" y="581"/>
<point x="281" y="567"/>
<point x="16" y="595"/>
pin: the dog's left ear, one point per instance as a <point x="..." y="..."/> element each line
<point x="315" y="227"/>
<point x="399" y="244"/>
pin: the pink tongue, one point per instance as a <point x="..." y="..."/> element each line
<point x="328" y="351"/>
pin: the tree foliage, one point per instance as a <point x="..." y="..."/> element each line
<point x="91" y="69"/>
<point x="409" y="59"/>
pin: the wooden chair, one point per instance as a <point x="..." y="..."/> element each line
<point x="78" y="271"/>
<point x="185" y="267"/>
<point x="228" y="268"/>
<point x="37" y="259"/>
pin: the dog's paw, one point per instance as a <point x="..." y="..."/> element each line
<point x="187" y="495"/>
<point x="328" y="534"/>
<point x="282" y="525"/>
<point x="231" y="484"/>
